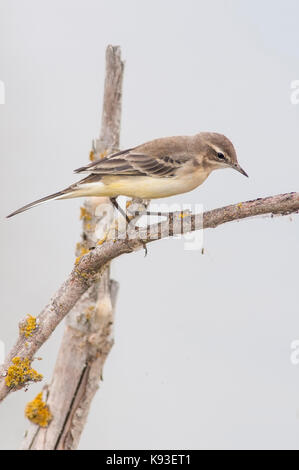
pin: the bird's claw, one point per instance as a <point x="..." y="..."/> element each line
<point x="145" y="248"/>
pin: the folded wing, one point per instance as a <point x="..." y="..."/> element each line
<point x="130" y="163"/>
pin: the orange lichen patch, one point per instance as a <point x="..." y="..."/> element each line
<point x="37" y="411"/>
<point x="129" y="203"/>
<point x="88" y="312"/>
<point x="29" y="326"/>
<point x="79" y="273"/>
<point x="92" y="155"/>
<point x="20" y="372"/>
<point x="103" y="154"/>
<point x="83" y="251"/>
<point x="84" y="214"/>
<point x="100" y="242"/>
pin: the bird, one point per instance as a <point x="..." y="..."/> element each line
<point x="159" y="168"/>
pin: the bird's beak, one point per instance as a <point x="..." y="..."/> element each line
<point x="237" y="167"/>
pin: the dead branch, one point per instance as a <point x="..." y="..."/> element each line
<point x="90" y="267"/>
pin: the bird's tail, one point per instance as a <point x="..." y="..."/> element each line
<point x="59" y="195"/>
<point x="79" y="189"/>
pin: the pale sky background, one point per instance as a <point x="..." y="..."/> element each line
<point x="202" y="342"/>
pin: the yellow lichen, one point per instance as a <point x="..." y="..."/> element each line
<point x="103" y="154"/>
<point x="88" y="312"/>
<point x="240" y="205"/>
<point x="83" y="275"/>
<point x="183" y="214"/>
<point x="29" y="326"/>
<point x="84" y="214"/>
<point x="77" y="260"/>
<point x="92" y="155"/>
<point x="100" y="242"/>
<point x="83" y="251"/>
<point x="38" y="412"/>
<point x="21" y="372"/>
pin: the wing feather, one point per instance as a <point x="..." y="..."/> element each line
<point x="135" y="164"/>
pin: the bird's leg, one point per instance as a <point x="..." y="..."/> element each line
<point x="117" y="206"/>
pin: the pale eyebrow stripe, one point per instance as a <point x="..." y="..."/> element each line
<point x="218" y="150"/>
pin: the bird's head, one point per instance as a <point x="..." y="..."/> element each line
<point x="217" y="151"/>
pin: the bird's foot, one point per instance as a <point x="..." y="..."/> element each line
<point x="145" y="248"/>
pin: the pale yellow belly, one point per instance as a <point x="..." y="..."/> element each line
<point x="146" y="187"/>
<point x="143" y="187"/>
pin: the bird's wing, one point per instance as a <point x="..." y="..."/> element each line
<point x="132" y="163"/>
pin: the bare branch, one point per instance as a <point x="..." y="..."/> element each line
<point x="91" y="265"/>
<point x="112" y="98"/>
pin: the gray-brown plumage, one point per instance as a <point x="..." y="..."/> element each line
<point x="159" y="168"/>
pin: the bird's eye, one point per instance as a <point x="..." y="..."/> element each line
<point x="220" y="156"/>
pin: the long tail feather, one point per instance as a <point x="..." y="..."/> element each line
<point x="79" y="189"/>
<point x="36" y="203"/>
